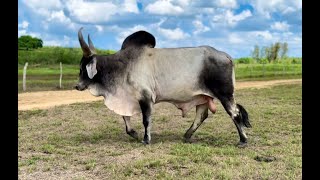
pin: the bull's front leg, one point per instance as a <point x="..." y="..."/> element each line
<point x="131" y="132"/>
<point x="146" y="108"/>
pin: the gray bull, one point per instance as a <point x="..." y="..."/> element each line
<point x="138" y="76"/>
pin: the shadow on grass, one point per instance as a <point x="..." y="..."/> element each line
<point x="119" y="135"/>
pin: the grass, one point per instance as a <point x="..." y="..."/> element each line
<point x="46" y="77"/>
<point x="88" y="141"/>
<point x="268" y="71"/>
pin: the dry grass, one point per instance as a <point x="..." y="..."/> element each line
<point x="87" y="141"/>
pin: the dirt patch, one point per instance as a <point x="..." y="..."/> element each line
<point x="48" y="99"/>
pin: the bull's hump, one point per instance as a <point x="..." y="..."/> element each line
<point x="139" y="38"/>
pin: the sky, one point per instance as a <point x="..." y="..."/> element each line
<point x="232" y="26"/>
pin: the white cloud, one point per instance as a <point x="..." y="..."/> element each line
<point x="131" y="6"/>
<point x="23" y="30"/>
<point x="173" y="34"/>
<point x="229" y="18"/>
<point x="91" y="12"/>
<point x="226" y="3"/>
<point x="266" y="35"/>
<point x="283" y="6"/>
<point x="200" y="28"/>
<point x="280" y="26"/>
<point x="52" y="43"/>
<point x="163" y="7"/>
<point x="99" y="12"/>
<point x="235" y="38"/>
<point x="99" y="28"/>
<point x="23" y="25"/>
<point x="183" y="2"/>
<point x="48" y="4"/>
<point x="288" y="10"/>
<point x="65" y="41"/>
<point x="43" y="7"/>
<point x="58" y="16"/>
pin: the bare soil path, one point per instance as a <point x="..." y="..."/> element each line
<point x="47" y="99"/>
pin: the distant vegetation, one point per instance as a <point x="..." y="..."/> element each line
<point x="250" y="60"/>
<point x="54" y="55"/>
<point x="270" y="54"/>
<point x="28" y="42"/>
<point x="274" y="54"/>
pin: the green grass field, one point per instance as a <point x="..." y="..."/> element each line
<point x="46" y="77"/>
<point x="88" y="141"/>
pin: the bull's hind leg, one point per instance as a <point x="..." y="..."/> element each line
<point x="201" y="115"/>
<point x="239" y="116"/>
<point x="129" y="130"/>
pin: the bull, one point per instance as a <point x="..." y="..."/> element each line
<point x="139" y="75"/>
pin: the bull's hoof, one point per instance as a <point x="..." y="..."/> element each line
<point x="187" y="135"/>
<point x="145" y="142"/>
<point x="133" y="134"/>
<point x="242" y="144"/>
<point x="187" y="140"/>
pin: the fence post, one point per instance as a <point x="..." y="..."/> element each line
<point x="24" y="76"/>
<point x="283" y="69"/>
<point x="263" y="69"/>
<point x="60" y="81"/>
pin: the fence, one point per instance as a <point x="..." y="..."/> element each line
<point x="244" y="71"/>
<point x="38" y="78"/>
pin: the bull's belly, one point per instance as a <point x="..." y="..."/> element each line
<point x="186" y="101"/>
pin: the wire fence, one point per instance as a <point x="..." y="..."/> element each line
<point x="244" y="71"/>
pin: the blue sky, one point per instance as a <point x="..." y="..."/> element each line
<point x="233" y="26"/>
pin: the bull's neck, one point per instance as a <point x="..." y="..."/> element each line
<point x="110" y="69"/>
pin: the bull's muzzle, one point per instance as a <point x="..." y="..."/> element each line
<point x="80" y="87"/>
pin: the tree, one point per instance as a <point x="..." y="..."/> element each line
<point x="263" y="52"/>
<point x="29" y="42"/>
<point x="275" y="51"/>
<point x="256" y="53"/>
<point x="268" y="53"/>
<point x="284" y="50"/>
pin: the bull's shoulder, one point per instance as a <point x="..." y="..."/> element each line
<point x="139" y="38"/>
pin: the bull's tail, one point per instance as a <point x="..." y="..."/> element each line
<point x="233" y="76"/>
<point x="244" y="117"/>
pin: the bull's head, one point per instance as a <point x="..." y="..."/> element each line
<point x="88" y="63"/>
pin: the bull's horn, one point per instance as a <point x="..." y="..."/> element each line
<point x="85" y="49"/>
<point x="91" y="47"/>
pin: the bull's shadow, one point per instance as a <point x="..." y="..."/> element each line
<point x="120" y="136"/>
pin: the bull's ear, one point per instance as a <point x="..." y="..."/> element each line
<point x="92" y="68"/>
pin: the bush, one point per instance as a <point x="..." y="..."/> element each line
<point x="263" y="61"/>
<point x="245" y="60"/>
<point x="296" y="61"/>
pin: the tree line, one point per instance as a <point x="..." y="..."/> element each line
<point x="271" y="53"/>
<point x="27" y="42"/>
